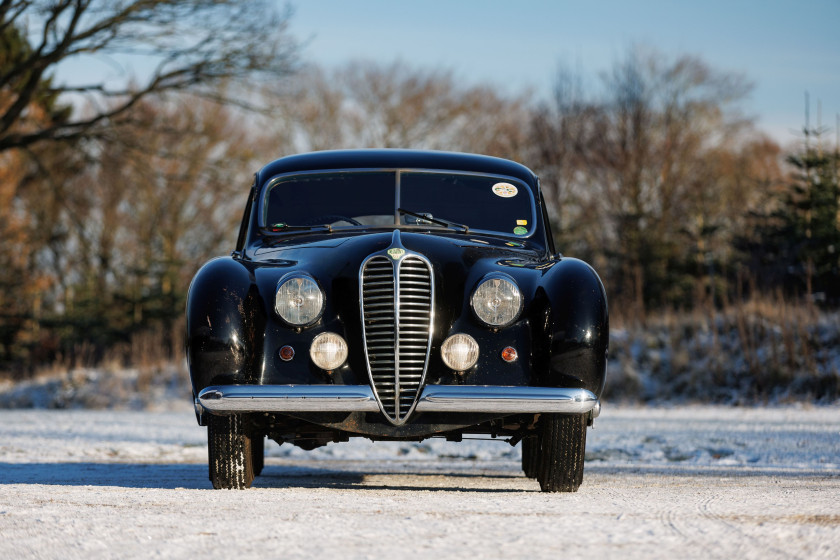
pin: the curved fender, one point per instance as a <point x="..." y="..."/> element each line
<point x="578" y="327"/>
<point x="225" y="325"/>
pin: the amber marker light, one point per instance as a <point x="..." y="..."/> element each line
<point x="287" y="353"/>
<point x="509" y="354"/>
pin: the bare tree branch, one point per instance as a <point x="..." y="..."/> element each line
<point x="196" y="44"/>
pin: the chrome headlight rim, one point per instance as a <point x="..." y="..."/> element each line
<point x="497" y="276"/>
<point x="285" y="279"/>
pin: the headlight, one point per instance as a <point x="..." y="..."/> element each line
<point x="328" y="351"/>
<point x="299" y="300"/>
<point x="497" y="301"/>
<point x="459" y="352"/>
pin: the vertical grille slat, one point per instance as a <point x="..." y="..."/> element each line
<point x="397" y="321"/>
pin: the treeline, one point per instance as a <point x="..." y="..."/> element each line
<point x="677" y="198"/>
<point x="110" y="204"/>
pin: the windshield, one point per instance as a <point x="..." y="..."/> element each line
<point x="403" y="198"/>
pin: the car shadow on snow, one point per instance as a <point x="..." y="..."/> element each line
<point x="194" y="476"/>
<point x="398" y="479"/>
<point x="124" y="475"/>
<point x="497" y="482"/>
<point x="710" y="471"/>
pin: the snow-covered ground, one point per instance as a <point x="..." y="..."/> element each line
<point x="691" y="482"/>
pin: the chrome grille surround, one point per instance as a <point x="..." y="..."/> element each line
<point x="397" y="316"/>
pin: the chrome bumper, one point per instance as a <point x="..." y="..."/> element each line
<point x="360" y="398"/>
<point x="288" y="398"/>
<point x="485" y="398"/>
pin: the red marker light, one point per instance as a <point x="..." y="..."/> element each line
<point x="287" y="353"/>
<point x="509" y="354"/>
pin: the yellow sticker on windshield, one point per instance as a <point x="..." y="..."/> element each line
<point x="522" y="222"/>
<point x="505" y="190"/>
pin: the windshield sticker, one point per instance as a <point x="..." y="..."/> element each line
<point x="505" y="190"/>
<point x="522" y="222"/>
<point x="519" y="230"/>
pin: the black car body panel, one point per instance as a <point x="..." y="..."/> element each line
<point x="235" y="335"/>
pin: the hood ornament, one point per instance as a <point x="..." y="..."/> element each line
<point x="396" y="250"/>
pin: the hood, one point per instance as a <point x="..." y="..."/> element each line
<point x="332" y="254"/>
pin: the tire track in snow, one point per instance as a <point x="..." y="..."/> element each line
<point x="142" y="482"/>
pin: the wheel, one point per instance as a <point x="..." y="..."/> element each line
<point x="231" y="457"/>
<point x="258" y="452"/>
<point x="530" y="450"/>
<point x="562" y="443"/>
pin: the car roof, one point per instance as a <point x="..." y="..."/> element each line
<point x="396" y="159"/>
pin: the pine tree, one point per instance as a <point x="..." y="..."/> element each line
<point x="813" y="203"/>
<point x="798" y="244"/>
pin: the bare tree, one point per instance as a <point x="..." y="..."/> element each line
<point x="166" y="200"/>
<point x="559" y="133"/>
<point x="193" y="45"/>
<point x="642" y="175"/>
<point x="368" y="105"/>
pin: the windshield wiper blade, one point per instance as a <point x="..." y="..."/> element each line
<point x="282" y="228"/>
<point x="438" y="221"/>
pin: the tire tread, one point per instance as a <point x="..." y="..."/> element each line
<point x="562" y="446"/>
<point x="229" y="450"/>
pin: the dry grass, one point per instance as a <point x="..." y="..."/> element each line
<point x="759" y="350"/>
<point x="141" y="374"/>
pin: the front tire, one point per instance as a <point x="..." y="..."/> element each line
<point x="530" y="452"/>
<point x="562" y="444"/>
<point x="231" y="458"/>
<point x="258" y="452"/>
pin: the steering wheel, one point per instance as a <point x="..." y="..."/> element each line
<point x="330" y="219"/>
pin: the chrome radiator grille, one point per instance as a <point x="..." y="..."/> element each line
<point x="397" y="318"/>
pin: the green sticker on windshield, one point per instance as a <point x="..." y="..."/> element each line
<point x="519" y="230"/>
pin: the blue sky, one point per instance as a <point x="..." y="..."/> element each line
<point x="783" y="47"/>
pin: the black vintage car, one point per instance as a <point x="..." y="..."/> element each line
<point x="396" y="295"/>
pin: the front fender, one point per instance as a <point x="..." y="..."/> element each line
<point x="578" y="327"/>
<point x="226" y="322"/>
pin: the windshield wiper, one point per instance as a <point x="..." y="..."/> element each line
<point x="282" y="228"/>
<point x="438" y="221"/>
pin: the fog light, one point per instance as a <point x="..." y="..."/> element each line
<point x="328" y="351"/>
<point x="509" y="354"/>
<point x="459" y="352"/>
<point x="287" y="353"/>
